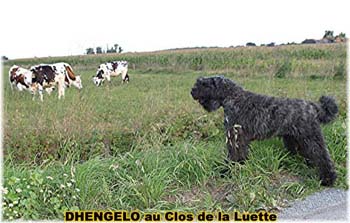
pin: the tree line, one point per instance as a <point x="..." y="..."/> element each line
<point x="99" y="50"/>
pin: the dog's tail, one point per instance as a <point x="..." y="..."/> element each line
<point x="329" y="109"/>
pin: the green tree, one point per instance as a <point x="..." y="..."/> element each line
<point x="328" y="35"/>
<point x="111" y="50"/>
<point x="342" y="35"/>
<point x="116" y="47"/>
<point x="340" y="38"/>
<point x="90" y="51"/>
<point x="99" y="50"/>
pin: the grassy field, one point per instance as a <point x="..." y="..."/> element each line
<point x="147" y="145"/>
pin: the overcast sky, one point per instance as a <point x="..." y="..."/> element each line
<point x="67" y="27"/>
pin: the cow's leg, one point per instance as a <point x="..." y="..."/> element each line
<point x="123" y="76"/>
<point x="41" y="90"/>
<point x="63" y="90"/>
<point x="33" y="93"/>
<point x="32" y="90"/>
<point x="108" y="77"/>
<point x="60" y="81"/>
<point x="19" y="87"/>
<point x="60" y="91"/>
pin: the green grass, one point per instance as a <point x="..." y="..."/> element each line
<point x="147" y="145"/>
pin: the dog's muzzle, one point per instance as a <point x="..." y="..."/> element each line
<point x="194" y="93"/>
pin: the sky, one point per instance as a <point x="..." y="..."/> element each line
<point x="67" y="27"/>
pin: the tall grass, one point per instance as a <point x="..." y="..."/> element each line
<point x="304" y="59"/>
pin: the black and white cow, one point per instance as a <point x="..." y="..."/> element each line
<point x="111" y="69"/>
<point x="46" y="76"/>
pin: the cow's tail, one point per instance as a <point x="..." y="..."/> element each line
<point x="70" y="72"/>
<point x="328" y="109"/>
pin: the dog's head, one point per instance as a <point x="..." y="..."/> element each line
<point x="210" y="92"/>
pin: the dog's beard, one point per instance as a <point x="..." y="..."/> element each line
<point x="209" y="105"/>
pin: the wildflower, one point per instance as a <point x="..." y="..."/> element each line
<point x="74" y="197"/>
<point x="77" y="189"/>
<point x="10" y="205"/>
<point x="4" y="190"/>
<point x="62" y="186"/>
<point x="69" y="184"/>
<point x="41" y="191"/>
<point x="65" y="175"/>
<point x="114" y="166"/>
<point x="72" y="180"/>
<point x="138" y="162"/>
<point x="49" y="177"/>
<point x="28" y="187"/>
<point x="18" y="190"/>
<point x="15" y="202"/>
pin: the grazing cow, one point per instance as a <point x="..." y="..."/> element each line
<point x="48" y="75"/>
<point x="111" y="69"/>
<point x="20" y="78"/>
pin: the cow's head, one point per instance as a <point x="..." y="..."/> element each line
<point x="97" y="81"/>
<point x="77" y="82"/>
<point x="101" y="72"/>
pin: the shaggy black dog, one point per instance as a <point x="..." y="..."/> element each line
<point x="250" y="116"/>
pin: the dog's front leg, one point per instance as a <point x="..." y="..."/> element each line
<point x="236" y="144"/>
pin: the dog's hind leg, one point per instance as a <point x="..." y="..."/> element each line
<point x="290" y="143"/>
<point x="314" y="150"/>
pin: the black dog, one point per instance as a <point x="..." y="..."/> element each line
<point x="250" y="116"/>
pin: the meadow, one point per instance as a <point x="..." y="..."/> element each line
<point x="148" y="145"/>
